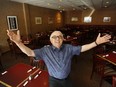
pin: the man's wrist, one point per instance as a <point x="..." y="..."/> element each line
<point x="18" y="42"/>
<point x="96" y="43"/>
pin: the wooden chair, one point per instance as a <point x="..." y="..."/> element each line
<point x="1" y="66"/>
<point x="10" y="43"/>
<point x="37" y="63"/>
<point x="13" y="48"/>
<point x="75" y="42"/>
<point x="114" y="81"/>
<point x="102" y="68"/>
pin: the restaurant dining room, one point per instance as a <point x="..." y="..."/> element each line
<point x="57" y="43"/>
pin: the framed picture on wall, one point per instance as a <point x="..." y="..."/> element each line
<point x="106" y="19"/>
<point x="74" y="19"/>
<point x="87" y="19"/>
<point x="12" y="22"/>
<point x="38" y="20"/>
<point x="50" y="20"/>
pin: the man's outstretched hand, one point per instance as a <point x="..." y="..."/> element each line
<point x="103" y="39"/>
<point x="14" y="37"/>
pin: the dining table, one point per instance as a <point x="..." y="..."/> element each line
<point x="24" y="75"/>
<point x="109" y="57"/>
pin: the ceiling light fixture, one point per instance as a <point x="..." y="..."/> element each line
<point x="83" y="7"/>
<point x="105" y="6"/>
<point x="60" y="0"/>
<point x="73" y="8"/>
<point x="59" y="6"/>
<point x="107" y="2"/>
<point x="48" y="3"/>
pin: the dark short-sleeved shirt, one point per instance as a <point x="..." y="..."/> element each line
<point x="58" y="61"/>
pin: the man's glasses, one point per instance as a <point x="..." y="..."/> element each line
<point x="59" y="37"/>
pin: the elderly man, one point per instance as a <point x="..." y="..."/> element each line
<point x="57" y="57"/>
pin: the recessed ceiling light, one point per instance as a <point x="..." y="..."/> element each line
<point x="63" y="9"/>
<point x="60" y="0"/>
<point x="59" y="6"/>
<point x="73" y="8"/>
<point x="107" y="2"/>
<point x="105" y="6"/>
<point x="60" y="11"/>
<point x="48" y="3"/>
<point x="84" y="8"/>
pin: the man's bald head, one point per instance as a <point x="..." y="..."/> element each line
<point x="56" y="33"/>
<point x="56" y="38"/>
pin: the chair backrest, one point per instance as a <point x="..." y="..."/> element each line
<point x="10" y="43"/>
<point x="1" y="66"/>
<point x="37" y="63"/>
<point x="99" y="65"/>
<point x="97" y="61"/>
<point x="14" y="49"/>
<point x="75" y="42"/>
<point x="99" y="49"/>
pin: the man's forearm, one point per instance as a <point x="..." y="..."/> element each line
<point x="88" y="46"/>
<point x="25" y="49"/>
